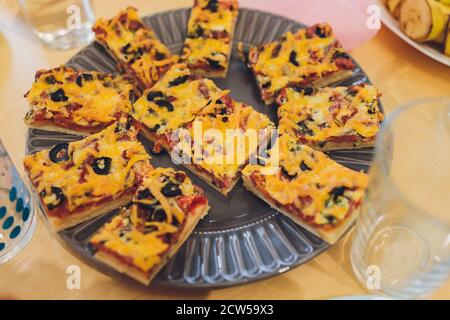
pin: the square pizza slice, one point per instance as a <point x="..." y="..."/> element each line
<point x="143" y="237"/>
<point x="173" y="102"/>
<point x="77" y="102"/>
<point x="207" y="49"/>
<point x="135" y="47"/>
<point x="331" y="118"/>
<point x="314" y="191"/>
<point x="310" y="56"/>
<point x="221" y="141"/>
<point x="80" y="180"/>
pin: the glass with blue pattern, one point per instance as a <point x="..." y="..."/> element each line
<point x="17" y="218"/>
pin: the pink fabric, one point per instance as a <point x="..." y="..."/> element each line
<point x="347" y="17"/>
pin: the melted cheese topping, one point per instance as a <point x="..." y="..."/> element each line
<point x="200" y="49"/>
<point x="209" y="34"/>
<point x="272" y="62"/>
<point x="76" y="177"/>
<point x="134" y="234"/>
<point x="312" y="180"/>
<point x="135" y="45"/>
<point x="85" y="98"/>
<point x="187" y="99"/>
<point x="231" y="133"/>
<point x="331" y="112"/>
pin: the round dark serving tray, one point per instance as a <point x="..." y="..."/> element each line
<point x="241" y="239"/>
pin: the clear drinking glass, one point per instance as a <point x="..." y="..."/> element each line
<point x="17" y="218"/>
<point x="401" y="245"/>
<point x="61" y="24"/>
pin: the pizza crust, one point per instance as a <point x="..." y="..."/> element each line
<point x="322" y="82"/>
<point x="153" y="139"/>
<point x="330" y="237"/>
<point x="74" y="219"/>
<point x="332" y="146"/>
<point x="58" y="129"/>
<point x="209" y="179"/>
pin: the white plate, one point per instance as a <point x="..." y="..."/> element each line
<point x="429" y="50"/>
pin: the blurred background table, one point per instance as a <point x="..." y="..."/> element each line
<point x="39" y="272"/>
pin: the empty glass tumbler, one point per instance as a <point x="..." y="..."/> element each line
<point x="61" y="24"/>
<point x="401" y="245"/>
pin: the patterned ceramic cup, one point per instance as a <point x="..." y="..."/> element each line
<point x="17" y="218"/>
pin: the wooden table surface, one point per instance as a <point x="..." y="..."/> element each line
<point x="39" y="271"/>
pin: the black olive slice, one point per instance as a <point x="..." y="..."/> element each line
<point x="307" y="91"/>
<point x="293" y="58"/>
<point x="59" y="153"/>
<point x="339" y="54"/>
<point x="165" y="104"/>
<point x="102" y="166"/>
<point x="153" y="95"/>
<point x="212" y="5"/>
<point x="285" y="173"/>
<point x="125" y="49"/>
<point x="83" y="77"/>
<point x="304" y="128"/>
<point x="58" y="96"/>
<point x="171" y="190"/>
<point x="222" y="111"/>
<point x="337" y="192"/>
<point x="50" y="79"/>
<point x="320" y="32"/>
<point x="266" y="85"/>
<point x="144" y="194"/>
<point x="160" y="56"/>
<point x="59" y="197"/>
<point x="175" y="221"/>
<point x="159" y="215"/>
<point x="304" y="166"/>
<point x="198" y="33"/>
<point x="214" y="63"/>
<point x="178" y="81"/>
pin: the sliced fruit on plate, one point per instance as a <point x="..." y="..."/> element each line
<point x="423" y="20"/>
<point x="447" y="40"/>
<point x="394" y="7"/>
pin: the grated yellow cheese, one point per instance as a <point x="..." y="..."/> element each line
<point x="187" y="97"/>
<point x="135" y="45"/>
<point x="331" y="112"/>
<point x="126" y="234"/>
<point x="76" y="177"/>
<point x="311" y="175"/>
<point x="228" y="140"/>
<point x="273" y="66"/>
<point x="96" y="102"/>
<point x="210" y="30"/>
